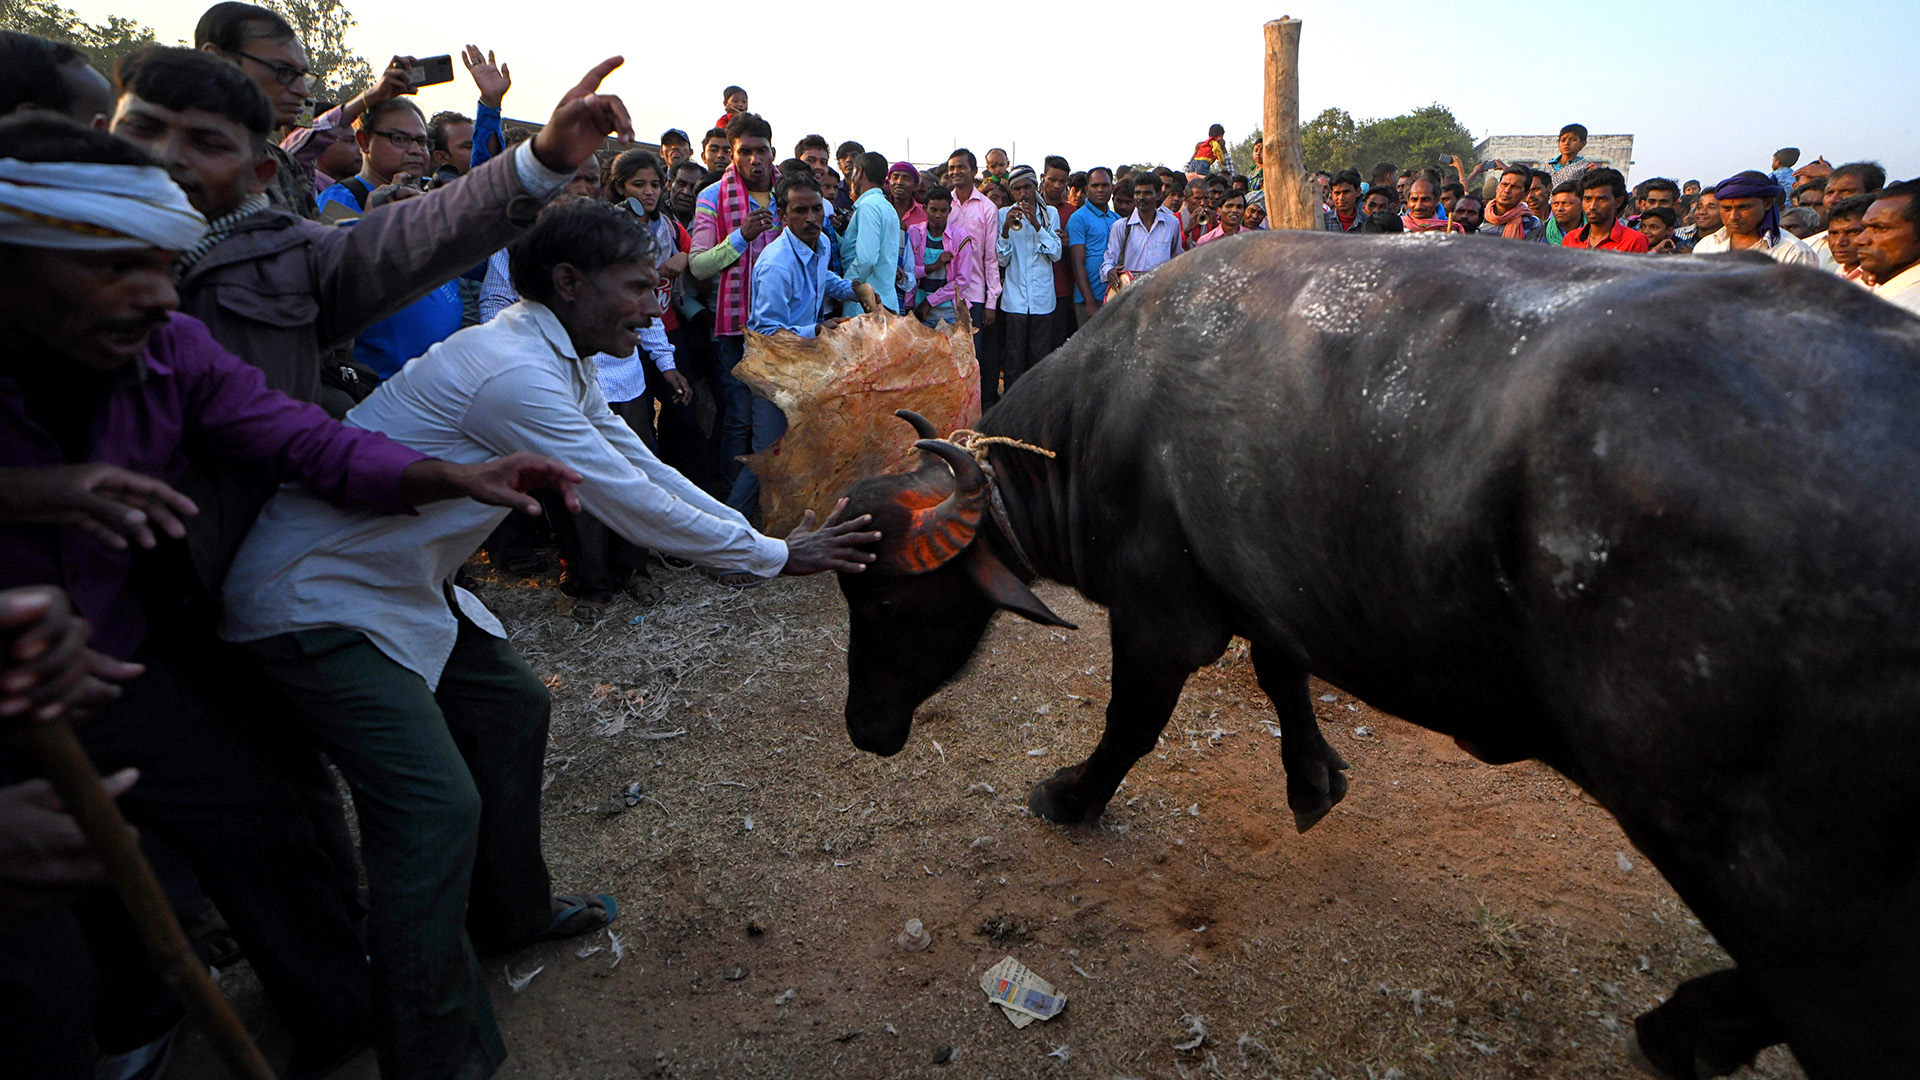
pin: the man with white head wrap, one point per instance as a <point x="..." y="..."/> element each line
<point x="102" y="387"/>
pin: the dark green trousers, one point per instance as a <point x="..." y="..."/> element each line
<point x="446" y="784"/>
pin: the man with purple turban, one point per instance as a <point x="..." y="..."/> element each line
<point x="1750" y="212"/>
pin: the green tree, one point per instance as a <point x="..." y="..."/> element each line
<point x="104" y="43"/>
<point x="339" y="72"/>
<point x="1242" y="153"/>
<point x="1426" y="136"/>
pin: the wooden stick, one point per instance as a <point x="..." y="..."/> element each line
<point x="1283" y="173"/>
<point x="72" y="774"/>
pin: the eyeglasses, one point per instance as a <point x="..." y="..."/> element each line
<point x="282" y="73"/>
<point x="403" y="141"/>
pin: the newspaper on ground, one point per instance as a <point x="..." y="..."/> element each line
<point x="1022" y="995"/>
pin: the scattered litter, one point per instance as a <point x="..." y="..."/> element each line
<point x="1044" y="710"/>
<point x="943" y="1055"/>
<point x="636" y="620"/>
<point x="1196" y="1028"/>
<point x="1362" y="731"/>
<point x="588" y="951"/>
<point x="1082" y="972"/>
<point x="721" y="783"/>
<point x="837" y="862"/>
<point x="1036" y="751"/>
<point x="1194" y="810"/>
<point x="749" y="822"/>
<point x="1022" y="995"/>
<point x="915" y="937"/>
<point x="660" y="734"/>
<point x="1353" y="708"/>
<point x="1061" y="1052"/>
<point x="981" y="788"/>
<point x="937" y="750"/>
<point x="1273" y="729"/>
<point x="783" y="997"/>
<point x="1620" y="858"/>
<point x="1329" y="698"/>
<point x="736" y="972"/>
<point x="1646" y="964"/>
<point x="890" y="1029"/>
<point x="517" y="983"/>
<point x="619" y="948"/>
<point x="633" y="793"/>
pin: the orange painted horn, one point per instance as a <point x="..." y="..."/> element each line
<point x="937" y="532"/>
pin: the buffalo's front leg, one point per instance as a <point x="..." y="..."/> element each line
<point x="1711" y="1026"/>
<point x="1142" y="701"/>
<point x="1314" y="778"/>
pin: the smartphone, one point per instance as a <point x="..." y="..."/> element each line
<point x="431" y="70"/>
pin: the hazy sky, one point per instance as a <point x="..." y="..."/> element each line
<point x="1705" y="89"/>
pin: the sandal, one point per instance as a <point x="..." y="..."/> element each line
<point x="737" y="579"/>
<point x="645" y="591"/>
<point x="588" y="612"/>
<point x="568" y="920"/>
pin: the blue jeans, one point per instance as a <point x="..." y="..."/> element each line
<point x="749" y="424"/>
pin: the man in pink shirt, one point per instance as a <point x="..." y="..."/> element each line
<point x="974" y="215"/>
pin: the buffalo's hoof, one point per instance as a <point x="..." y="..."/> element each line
<point x="1314" y="788"/>
<point x="1054" y="799"/>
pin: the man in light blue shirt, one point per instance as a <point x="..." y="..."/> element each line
<point x="1087" y="232"/>
<point x="791" y="286"/>
<point x="870" y="249"/>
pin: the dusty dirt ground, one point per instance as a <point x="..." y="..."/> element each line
<point x="1449" y="919"/>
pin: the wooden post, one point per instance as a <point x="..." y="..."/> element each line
<point x="1283" y="173"/>
<point x="68" y="769"/>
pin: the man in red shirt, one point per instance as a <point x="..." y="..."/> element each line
<point x="1603" y="192"/>
<point x="1053" y="189"/>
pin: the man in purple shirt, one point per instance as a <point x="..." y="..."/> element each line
<point x="102" y="390"/>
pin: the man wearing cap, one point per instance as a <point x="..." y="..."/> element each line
<point x="1750" y="213"/>
<point x="870" y="250"/>
<point x="102" y="389"/>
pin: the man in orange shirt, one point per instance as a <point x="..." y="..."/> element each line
<point x="1603" y="192"/>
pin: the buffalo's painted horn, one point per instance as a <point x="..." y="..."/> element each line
<point x="939" y="531"/>
<point x="922" y="426"/>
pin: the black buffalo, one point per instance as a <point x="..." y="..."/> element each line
<point x="1655" y="522"/>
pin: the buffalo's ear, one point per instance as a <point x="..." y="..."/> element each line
<point x="1006" y="590"/>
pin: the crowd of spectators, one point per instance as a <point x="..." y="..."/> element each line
<point x="267" y="384"/>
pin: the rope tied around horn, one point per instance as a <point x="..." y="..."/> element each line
<point x="976" y="443"/>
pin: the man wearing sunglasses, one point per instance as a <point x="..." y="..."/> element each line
<point x="263" y="46"/>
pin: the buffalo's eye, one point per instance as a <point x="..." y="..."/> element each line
<point x="885" y="608"/>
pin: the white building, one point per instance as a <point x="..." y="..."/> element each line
<point x="1613" y="151"/>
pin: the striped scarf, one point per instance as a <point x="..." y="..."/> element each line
<point x="731" y="207"/>
<point x="217" y="230"/>
<point x="1432" y="224"/>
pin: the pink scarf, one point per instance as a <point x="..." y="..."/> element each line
<point x="730" y="210"/>
<point x="1432" y="224"/>
<point x="1511" y="223"/>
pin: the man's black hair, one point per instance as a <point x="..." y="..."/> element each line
<point x="1575" y="129"/>
<point x="181" y="79"/>
<point x="1217" y="131"/>
<point x="46" y="136"/>
<point x="730" y="91"/>
<point x="1664" y="213"/>
<point x="1659" y="183"/>
<point x="437" y="127"/>
<point x="1147" y="178"/>
<point x="1386" y="167"/>
<point x="1568" y="187"/>
<point x="366" y="120"/>
<point x="30" y="72"/>
<point x="1542" y="174"/>
<point x="1606" y="178"/>
<point x="853" y="149"/>
<point x="1787" y="156"/>
<point x="1520" y="170"/>
<point x="1910" y="191"/>
<point x="972" y="162"/>
<point x="873" y="166"/>
<point x="1076" y="181"/>
<point x="1454" y="188"/>
<point x="586" y="234"/>
<point x="1100" y="168"/>
<point x="1871" y="175"/>
<point x="936" y="193"/>
<point x="675" y="135"/>
<point x="1853" y="205"/>
<point x="1382" y="221"/>
<point x="1055" y="161"/>
<point x="748" y="126"/>
<point x="690" y="163"/>
<point x="231" y="25"/>
<point x="792" y="181"/>
<point x="1175" y="182"/>
<point x="817" y="142"/>
<point x="1350" y="177"/>
<point x="712" y="134"/>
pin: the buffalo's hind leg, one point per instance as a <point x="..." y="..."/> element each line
<point x="1314" y="778"/>
<point x="1144" y="694"/>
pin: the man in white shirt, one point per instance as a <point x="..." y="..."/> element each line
<point x="437" y="723"/>
<point x="1143" y="240"/>
<point x="1890" y="249"/>
<point x="1749" y="212"/>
